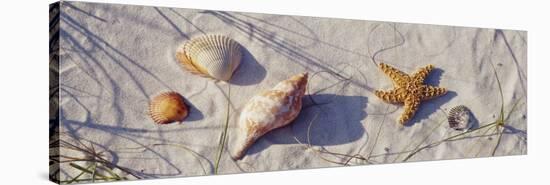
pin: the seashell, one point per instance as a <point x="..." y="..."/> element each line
<point x="168" y="107"/>
<point x="211" y="56"/>
<point x="269" y="110"/>
<point x="460" y="118"/>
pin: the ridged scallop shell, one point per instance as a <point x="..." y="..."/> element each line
<point x="168" y="107"/>
<point x="460" y="118"/>
<point x="269" y="110"/>
<point x="212" y="56"/>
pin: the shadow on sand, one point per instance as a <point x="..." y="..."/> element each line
<point x="334" y="123"/>
<point x="249" y="72"/>
<point x="429" y="107"/>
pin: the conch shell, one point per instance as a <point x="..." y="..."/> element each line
<point x="168" y="107"/>
<point x="211" y="56"/>
<point x="269" y="110"/>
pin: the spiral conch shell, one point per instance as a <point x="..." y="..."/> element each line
<point x="269" y="110"/>
<point x="168" y="107"/>
<point x="212" y="56"/>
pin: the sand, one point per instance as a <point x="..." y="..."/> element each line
<point x="114" y="58"/>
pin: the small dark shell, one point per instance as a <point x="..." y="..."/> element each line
<point x="460" y="118"/>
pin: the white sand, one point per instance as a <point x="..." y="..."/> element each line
<point x="114" y="58"/>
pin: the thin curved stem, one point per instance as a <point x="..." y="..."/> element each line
<point x="224" y="133"/>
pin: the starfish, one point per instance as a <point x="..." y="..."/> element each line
<point x="408" y="90"/>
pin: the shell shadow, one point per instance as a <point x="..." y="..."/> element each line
<point x="249" y="72"/>
<point x="473" y="120"/>
<point x="194" y="113"/>
<point x="334" y="119"/>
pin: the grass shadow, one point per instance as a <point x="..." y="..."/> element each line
<point x="288" y="48"/>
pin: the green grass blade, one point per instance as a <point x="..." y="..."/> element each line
<point x="78" y="176"/>
<point x="224" y="133"/>
<point x="74" y="165"/>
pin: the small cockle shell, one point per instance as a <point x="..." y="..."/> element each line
<point x="269" y="110"/>
<point x="168" y="107"/>
<point x="212" y="56"/>
<point x="460" y="118"/>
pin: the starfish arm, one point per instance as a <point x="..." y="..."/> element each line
<point x="398" y="77"/>
<point x="429" y="92"/>
<point x="422" y="73"/>
<point x="392" y="96"/>
<point x="411" y="105"/>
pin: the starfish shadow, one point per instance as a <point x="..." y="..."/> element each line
<point x="435" y="77"/>
<point x="429" y="107"/>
